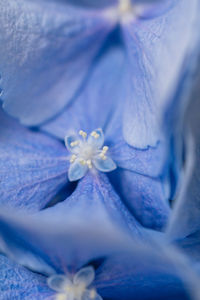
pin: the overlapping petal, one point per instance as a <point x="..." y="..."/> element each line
<point x="152" y="208"/>
<point x="16" y="282"/>
<point x="48" y="47"/>
<point x="185" y="219"/>
<point x="33" y="166"/>
<point x="156" y="49"/>
<point x="152" y="273"/>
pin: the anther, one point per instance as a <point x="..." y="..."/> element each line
<point x="89" y="163"/>
<point x="95" y="134"/>
<point x="73" y="158"/>
<point x="83" y="133"/>
<point x="73" y="144"/>
<point x="105" y="149"/>
<point x="125" y="6"/>
<point x="82" y="162"/>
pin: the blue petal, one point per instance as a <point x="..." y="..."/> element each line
<point x="33" y="167"/>
<point x="97" y="142"/>
<point x="149" y="162"/>
<point x="106" y="165"/>
<point x="77" y="171"/>
<point x="89" y="224"/>
<point x="156" y="49"/>
<point x="47" y="49"/>
<point x="185" y="219"/>
<point x="68" y="140"/>
<point x="99" y="99"/>
<point x="148" y="273"/>
<point x="146" y="197"/>
<point x="58" y="283"/>
<point x="16" y="282"/>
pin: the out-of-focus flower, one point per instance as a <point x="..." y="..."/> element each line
<point x="59" y="241"/>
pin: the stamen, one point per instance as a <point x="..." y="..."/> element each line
<point x="73" y="158"/>
<point x="82" y="162"/>
<point x="105" y="149"/>
<point x="95" y="134"/>
<point x="89" y="163"/>
<point x="75" y="143"/>
<point x="125" y="6"/>
<point x="83" y="134"/>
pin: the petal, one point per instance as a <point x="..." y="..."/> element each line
<point x="89" y="295"/>
<point x="58" y="283"/>
<point x="99" y="99"/>
<point x="106" y="165"/>
<point x="149" y="162"/>
<point x="77" y="171"/>
<point x="150" y="272"/>
<point x="48" y="47"/>
<point x="156" y="51"/>
<point x="185" y="219"/>
<point x="85" y="276"/>
<point x="16" y="282"/>
<point x="70" y="139"/>
<point x="147" y="198"/>
<point x="91" y="223"/>
<point x="33" y="166"/>
<point x="96" y="142"/>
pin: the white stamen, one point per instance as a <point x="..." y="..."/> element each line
<point x="73" y="158"/>
<point x="82" y="162"/>
<point x="75" y="143"/>
<point x="95" y="134"/>
<point x="89" y="163"/>
<point x="83" y="133"/>
<point x="125" y="6"/>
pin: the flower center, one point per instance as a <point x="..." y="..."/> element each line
<point x="124" y="12"/>
<point x="76" y="287"/>
<point x="125" y="7"/>
<point x="88" y="151"/>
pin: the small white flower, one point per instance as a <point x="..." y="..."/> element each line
<point x="76" y="288"/>
<point x="88" y="152"/>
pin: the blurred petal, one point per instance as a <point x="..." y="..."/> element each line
<point x="33" y="167"/>
<point x="16" y="282"/>
<point x="88" y="295"/>
<point x="47" y="51"/>
<point x="72" y="233"/>
<point x="156" y="49"/>
<point x="185" y="219"/>
<point x="148" y="273"/>
<point x="85" y="276"/>
<point x="58" y="283"/>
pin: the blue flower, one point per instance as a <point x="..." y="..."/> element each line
<point x="82" y="69"/>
